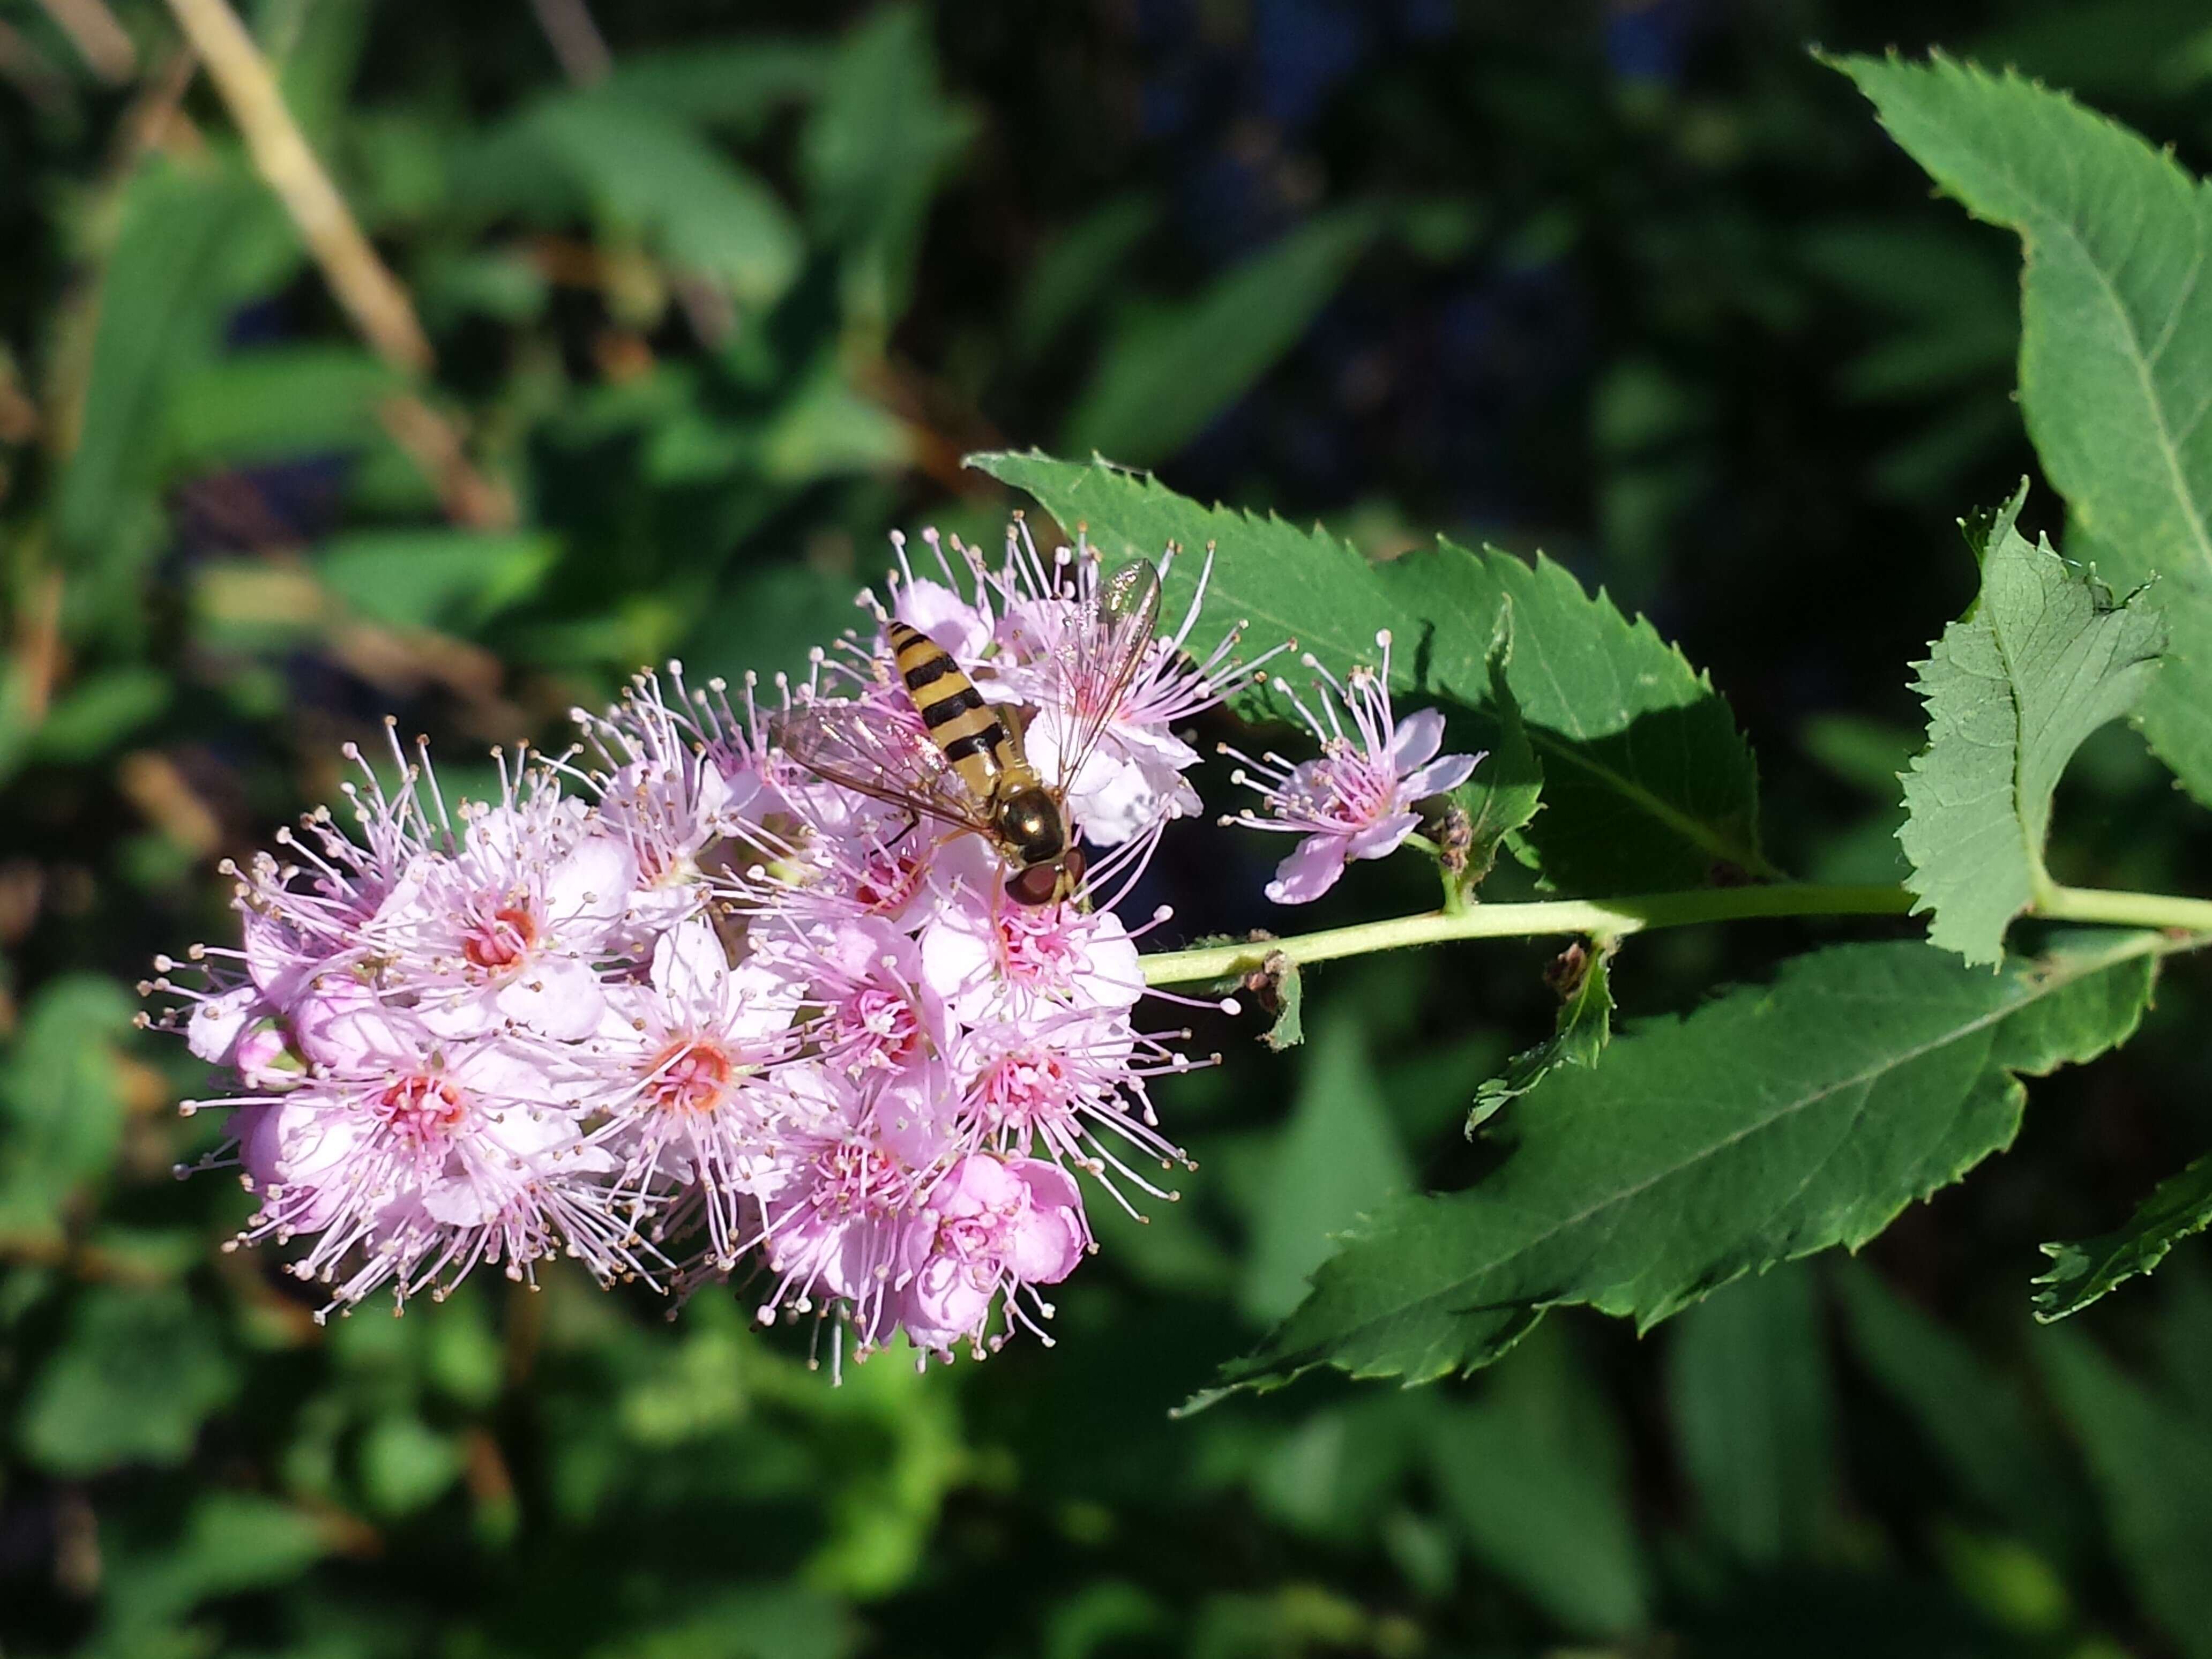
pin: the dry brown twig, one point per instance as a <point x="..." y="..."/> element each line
<point x="434" y="443"/>
<point x="102" y="42"/>
<point x="380" y="306"/>
<point x="375" y="299"/>
<point x="31" y="72"/>
<point x="575" y="40"/>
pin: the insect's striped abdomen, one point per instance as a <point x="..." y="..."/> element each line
<point x="966" y="730"/>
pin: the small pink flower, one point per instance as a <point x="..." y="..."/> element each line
<point x="990" y="1224"/>
<point x="417" y="1159"/>
<point x="679" y="1073"/>
<point x="877" y="1011"/>
<point x="1011" y="961"/>
<point x="1357" y="800"/>
<point x="831" y="1228"/>
<point x="506" y="930"/>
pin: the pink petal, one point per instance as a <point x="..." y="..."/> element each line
<point x="975" y="1184"/>
<point x="956" y="958"/>
<point x="1420" y="735"/>
<point x="938" y="612"/>
<point x="1043" y="1248"/>
<point x="914" y="1112"/>
<point x="1047" y="1242"/>
<point x="689" y="969"/>
<point x="1310" y="870"/>
<point x="461" y="1202"/>
<point x="587" y="891"/>
<point x="1113" y="976"/>
<point x="942" y="1305"/>
<point x="345" y="1026"/>
<point x="215" y="1025"/>
<point x="558" y="997"/>
<point x="1049" y="1185"/>
<point x="1437" y="776"/>
<point x="1381" y="838"/>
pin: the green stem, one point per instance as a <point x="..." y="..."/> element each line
<point x="2126" y="910"/>
<point x="1615" y="918"/>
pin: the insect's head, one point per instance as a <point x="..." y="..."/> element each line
<point x="1032" y="830"/>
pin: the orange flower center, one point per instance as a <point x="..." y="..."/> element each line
<point x="504" y="940"/>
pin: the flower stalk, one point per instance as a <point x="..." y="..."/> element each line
<point x="1616" y="918"/>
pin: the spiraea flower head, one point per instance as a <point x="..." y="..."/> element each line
<point x="1359" y="797"/>
<point x="687" y="1006"/>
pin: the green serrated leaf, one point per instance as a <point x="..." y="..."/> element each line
<point x="1078" y="267"/>
<point x="1536" y="1473"/>
<point x="2044" y="657"/>
<point x="1507" y="789"/>
<point x="2116" y="345"/>
<point x="2151" y="1465"/>
<point x="769" y="1620"/>
<point x="1649" y="783"/>
<point x="2181" y="1205"/>
<point x="276" y="402"/>
<point x="736" y="83"/>
<point x="405" y="1464"/>
<point x="99" y="711"/>
<point x="192" y="242"/>
<point x="1773" y="1122"/>
<point x="1584" y="1026"/>
<point x="882" y="137"/>
<point x="232" y="1541"/>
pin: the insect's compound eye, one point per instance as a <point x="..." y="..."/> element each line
<point x="1035" y="886"/>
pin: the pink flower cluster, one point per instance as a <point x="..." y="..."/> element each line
<point x="676" y="1007"/>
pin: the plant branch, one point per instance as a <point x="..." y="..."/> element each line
<point x="1612" y="919"/>
<point x="2163" y="911"/>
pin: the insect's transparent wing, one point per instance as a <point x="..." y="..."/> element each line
<point x="1113" y="637"/>
<point x="881" y="752"/>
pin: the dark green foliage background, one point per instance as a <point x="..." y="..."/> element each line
<point x="1641" y="284"/>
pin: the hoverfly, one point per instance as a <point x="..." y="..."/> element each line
<point x="938" y="750"/>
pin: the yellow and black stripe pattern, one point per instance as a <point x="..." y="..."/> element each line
<point x="970" y="736"/>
